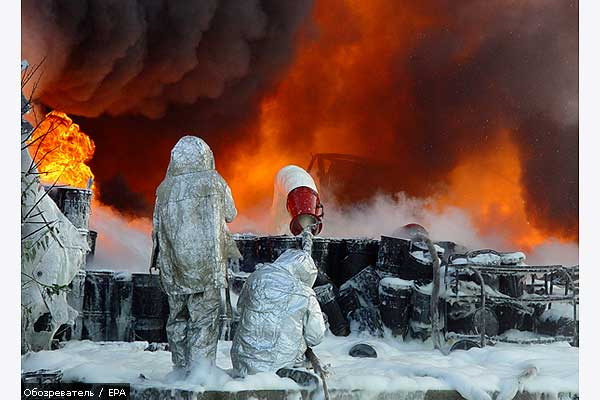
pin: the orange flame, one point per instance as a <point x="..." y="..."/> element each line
<point x="488" y="186"/>
<point x="61" y="150"/>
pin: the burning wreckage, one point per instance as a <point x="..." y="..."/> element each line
<point x="402" y="288"/>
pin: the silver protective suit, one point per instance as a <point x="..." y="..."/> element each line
<point x="191" y="243"/>
<point x="279" y="315"/>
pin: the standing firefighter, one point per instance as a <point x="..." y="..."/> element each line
<point x="279" y="315"/>
<point x="191" y="243"/>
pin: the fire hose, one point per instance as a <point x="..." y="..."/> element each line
<point x="436" y="333"/>
<point x="316" y="364"/>
<point x="307" y="241"/>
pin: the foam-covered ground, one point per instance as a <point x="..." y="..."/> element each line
<point x="401" y="366"/>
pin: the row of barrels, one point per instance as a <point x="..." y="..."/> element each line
<point x="363" y="285"/>
<point x="349" y="274"/>
<point x="341" y="259"/>
<point x="115" y="307"/>
<point x="368" y="303"/>
<point x="118" y="307"/>
<point x="372" y="300"/>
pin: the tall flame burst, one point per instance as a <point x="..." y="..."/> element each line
<point x="60" y="150"/>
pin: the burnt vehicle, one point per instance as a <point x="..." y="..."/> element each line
<point x="351" y="179"/>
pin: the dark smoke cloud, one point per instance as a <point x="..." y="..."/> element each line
<point x="142" y="57"/>
<point x="523" y="76"/>
<point x="550" y="156"/>
<point x="116" y="192"/>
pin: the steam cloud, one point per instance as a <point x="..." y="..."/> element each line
<point x="144" y="73"/>
<point x="122" y="244"/>
<point x="126" y="244"/>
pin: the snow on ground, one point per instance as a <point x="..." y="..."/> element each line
<point x="401" y="366"/>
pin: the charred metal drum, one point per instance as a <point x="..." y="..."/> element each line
<point x="360" y="253"/>
<point x="75" y="297"/>
<point x="366" y="319"/>
<point x="271" y="247"/>
<point x="149" y="308"/>
<point x="418" y="264"/>
<point x="324" y="279"/>
<point x="336" y="250"/>
<point x="347" y="257"/>
<point x="97" y="306"/>
<point x="471" y="321"/>
<point x="237" y="281"/>
<point x="348" y="300"/>
<point x="562" y="326"/>
<point x="337" y="322"/>
<point x="107" y="306"/>
<point x="513" y="286"/>
<point x="121" y="301"/>
<point x="464" y="344"/>
<point x="320" y="254"/>
<point x="263" y="250"/>
<point x="450" y="248"/>
<point x="74" y="203"/>
<point x="513" y="317"/>
<point x="366" y="283"/>
<point x="392" y="256"/>
<point x="363" y="350"/>
<point x="394" y="296"/>
<point x="248" y="247"/>
<point x="420" y="316"/>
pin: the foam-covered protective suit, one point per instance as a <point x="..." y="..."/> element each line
<point x="279" y="315"/>
<point x="52" y="250"/>
<point x="191" y="243"/>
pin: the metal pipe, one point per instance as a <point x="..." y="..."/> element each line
<point x="435" y="292"/>
<point x="480" y="277"/>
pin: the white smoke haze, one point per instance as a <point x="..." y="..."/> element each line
<point x="384" y="215"/>
<point x="554" y="252"/>
<point x="125" y="244"/>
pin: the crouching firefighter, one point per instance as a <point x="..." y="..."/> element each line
<point x="190" y="247"/>
<point x="279" y="316"/>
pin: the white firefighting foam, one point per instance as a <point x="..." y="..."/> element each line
<point x="400" y="366"/>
